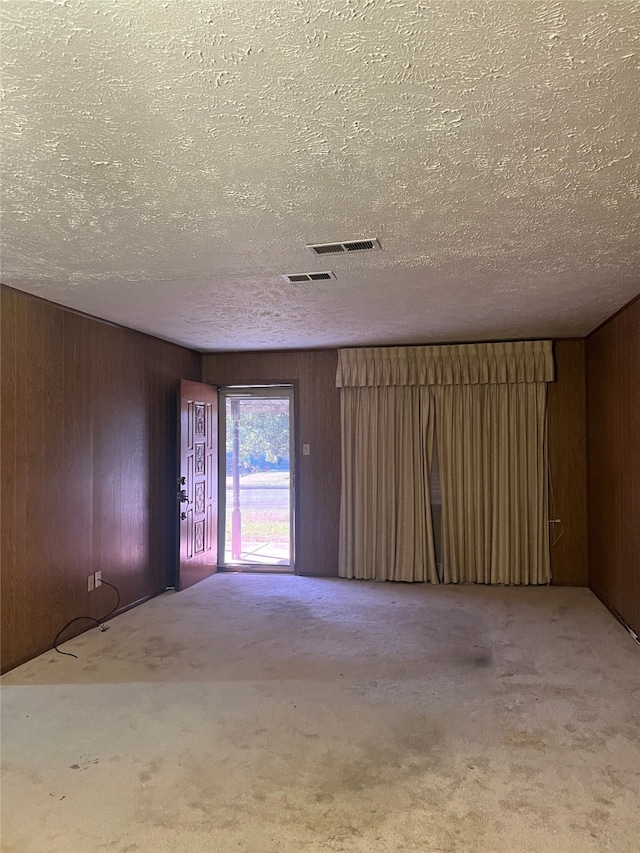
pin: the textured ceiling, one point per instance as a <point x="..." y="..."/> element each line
<point x="166" y="162"/>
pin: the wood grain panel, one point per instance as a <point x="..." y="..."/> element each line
<point x="317" y="417"/>
<point x="29" y="426"/>
<point x="613" y="452"/>
<point x="8" y="484"/>
<point x="88" y="467"/>
<point x="568" y="465"/>
<point x="76" y="528"/>
<point x="51" y="494"/>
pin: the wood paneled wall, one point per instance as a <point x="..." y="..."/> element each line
<point x="613" y="419"/>
<point x="88" y="467"/>
<point x="568" y="465"/>
<point x="318" y="424"/>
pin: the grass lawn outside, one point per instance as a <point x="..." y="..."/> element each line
<point x="263" y="480"/>
<point x="262" y="525"/>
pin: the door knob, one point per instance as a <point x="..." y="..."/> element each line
<point x="182" y="496"/>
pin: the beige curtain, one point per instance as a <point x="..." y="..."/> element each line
<point x="385" y="519"/>
<point x="492" y="449"/>
<point x="488" y="402"/>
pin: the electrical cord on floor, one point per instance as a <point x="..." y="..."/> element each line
<point x="99" y="622"/>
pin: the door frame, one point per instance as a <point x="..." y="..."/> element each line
<point x="276" y="390"/>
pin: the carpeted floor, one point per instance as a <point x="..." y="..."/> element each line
<point x="295" y="715"/>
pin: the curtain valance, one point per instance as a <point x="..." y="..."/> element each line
<point x="463" y="364"/>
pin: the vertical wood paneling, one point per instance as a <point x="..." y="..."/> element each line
<point x="51" y="437"/>
<point x="87" y="446"/>
<point x="29" y="426"/>
<point x="317" y="424"/>
<point x="76" y="545"/>
<point x="613" y="418"/>
<point x="568" y="465"/>
<point x="8" y="483"/>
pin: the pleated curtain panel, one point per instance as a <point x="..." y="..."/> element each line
<point x="484" y="407"/>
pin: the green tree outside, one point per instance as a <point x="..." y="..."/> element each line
<point x="264" y="438"/>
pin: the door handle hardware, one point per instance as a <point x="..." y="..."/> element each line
<point x="183" y="516"/>
<point x="182" y="496"/>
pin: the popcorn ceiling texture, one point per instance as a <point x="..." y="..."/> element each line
<point x="165" y="163"/>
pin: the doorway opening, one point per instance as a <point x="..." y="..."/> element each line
<point x="256" y="519"/>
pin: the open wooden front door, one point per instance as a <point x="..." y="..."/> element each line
<point x="197" y="503"/>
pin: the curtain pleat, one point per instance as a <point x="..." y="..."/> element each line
<point x="492" y="451"/>
<point x="463" y="364"/>
<point x="385" y="518"/>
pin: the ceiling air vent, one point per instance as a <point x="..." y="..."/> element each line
<point x="294" y="278"/>
<point x="340" y="248"/>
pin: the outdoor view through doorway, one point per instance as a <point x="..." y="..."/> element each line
<point x="256" y="494"/>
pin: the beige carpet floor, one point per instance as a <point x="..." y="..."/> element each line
<point x="277" y="713"/>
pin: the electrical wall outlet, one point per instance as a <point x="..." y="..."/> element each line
<point x="98" y="579"/>
<point x="91" y="583"/>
